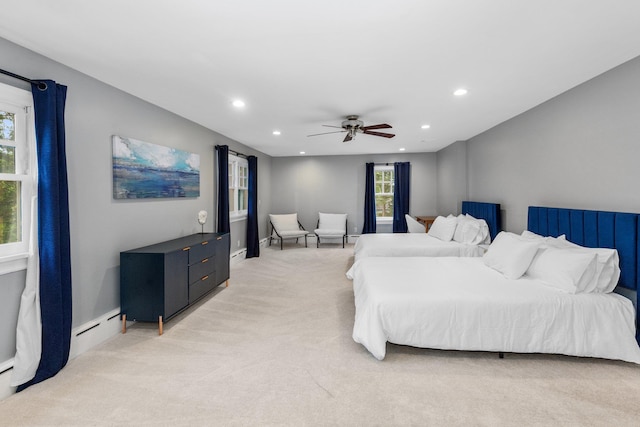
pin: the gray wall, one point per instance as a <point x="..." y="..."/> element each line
<point x="100" y="226"/>
<point x="452" y="178"/>
<point x="335" y="184"/>
<point x="579" y="150"/>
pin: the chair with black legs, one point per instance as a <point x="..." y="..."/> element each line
<point x="331" y="227"/>
<point x="286" y="226"/>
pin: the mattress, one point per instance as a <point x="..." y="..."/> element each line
<point x="410" y="245"/>
<point x="460" y="304"/>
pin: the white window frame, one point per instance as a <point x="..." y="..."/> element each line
<point x="13" y="256"/>
<point x="377" y="168"/>
<point x="237" y="182"/>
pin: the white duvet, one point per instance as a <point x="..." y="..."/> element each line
<point x="461" y="304"/>
<point x="410" y="245"/>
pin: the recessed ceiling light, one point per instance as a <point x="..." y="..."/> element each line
<point x="302" y="152"/>
<point x="401" y="149"/>
<point x="276" y="132"/>
<point x="460" y="92"/>
<point x="238" y="103"/>
<point x="425" y="126"/>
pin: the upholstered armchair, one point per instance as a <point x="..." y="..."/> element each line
<point x="286" y="226"/>
<point x="331" y="226"/>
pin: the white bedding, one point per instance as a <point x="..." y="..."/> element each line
<point x="410" y="245"/>
<point x="461" y="304"/>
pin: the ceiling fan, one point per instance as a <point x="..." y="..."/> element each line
<point x="353" y="126"/>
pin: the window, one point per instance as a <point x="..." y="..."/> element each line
<point x="17" y="171"/>
<point x="383" y="176"/>
<point x="238" y="187"/>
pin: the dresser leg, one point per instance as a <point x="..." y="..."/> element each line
<point x="226" y="283"/>
<point x="124" y="323"/>
<point x="159" y="325"/>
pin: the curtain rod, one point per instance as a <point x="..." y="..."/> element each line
<point x="41" y="85"/>
<point x="235" y="153"/>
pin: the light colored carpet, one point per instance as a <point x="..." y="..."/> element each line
<point x="275" y="348"/>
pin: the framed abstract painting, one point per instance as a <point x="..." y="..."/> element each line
<point x="142" y="170"/>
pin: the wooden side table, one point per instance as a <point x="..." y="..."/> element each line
<point x="426" y="221"/>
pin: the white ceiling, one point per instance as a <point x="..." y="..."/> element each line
<point x="301" y="64"/>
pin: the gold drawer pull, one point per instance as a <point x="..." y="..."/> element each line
<point x="205" y="260"/>
<point x="204" y="278"/>
<point x="204" y="243"/>
<point x="218" y="238"/>
<point x="187" y="248"/>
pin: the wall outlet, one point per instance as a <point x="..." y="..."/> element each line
<point x="238" y="243"/>
<point x="355" y="229"/>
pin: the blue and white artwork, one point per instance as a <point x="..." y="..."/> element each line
<point x="142" y="170"/>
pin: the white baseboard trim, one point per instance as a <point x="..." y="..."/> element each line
<point x="92" y="333"/>
<point x="5" y="378"/>
<point x="83" y="338"/>
<point x="237" y="256"/>
<point x="241" y="254"/>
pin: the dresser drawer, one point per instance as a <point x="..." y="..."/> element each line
<point x="201" y="287"/>
<point x="201" y="250"/>
<point x="202" y="268"/>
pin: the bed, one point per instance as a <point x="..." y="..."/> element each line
<point x="423" y="244"/>
<point x="461" y="304"/>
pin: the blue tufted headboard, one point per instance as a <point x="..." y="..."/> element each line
<point x="602" y="229"/>
<point x="490" y="212"/>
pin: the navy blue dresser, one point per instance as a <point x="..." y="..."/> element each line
<point x="159" y="281"/>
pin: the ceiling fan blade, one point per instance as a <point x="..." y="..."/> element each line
<point x="331" y="126"/>
<point x="380" y="126"/>
<point x="326" y="133"/>
<point x="348" y="137"/>
<point x="385" y="135"/>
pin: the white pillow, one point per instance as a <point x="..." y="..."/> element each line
<point x="443" y="228"/>
<point x="511" y="254"/>
<point x="607" y="266"/>
<point x="569" y="270"/>
<point x="413" y="226"/>
<point x="484" y="232"/>
<point x="545" y="240"/>
<point x="484" y="235"/>
<point x="467" y="231"/>
<point x="531" y="235"/>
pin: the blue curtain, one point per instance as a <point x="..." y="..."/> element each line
<point x="369" y="201"/>
<point x="53" y="229"/>
<point x="253" y="245"/>
<point x="223" y="189"/>
<point x="402" y="179"/>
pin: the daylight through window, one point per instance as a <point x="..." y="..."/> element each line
<point x="384" y="192"/>
<point x="17" y="173"/>
<point x="238" y="186"/>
